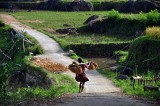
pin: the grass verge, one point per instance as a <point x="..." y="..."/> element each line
<point x="127" y="88"/>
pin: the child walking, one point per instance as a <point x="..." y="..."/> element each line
<point x="82" y="78"/>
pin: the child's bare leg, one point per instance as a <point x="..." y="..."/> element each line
<point x="82" y="86"/>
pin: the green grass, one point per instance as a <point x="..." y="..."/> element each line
<point x="55" y="20"/>
<point x="127" y="88"/>
<point x="122" y="56"/>
<point x="63" y="85"/>
<point x="92" y="39"/>
<point x="35" y="47"/>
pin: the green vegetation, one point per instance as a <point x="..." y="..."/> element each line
<point x="113" y="28"/>
<point x="47" y="20"/>
<point x="121" y="56"/>
<point x="117" y="28"/>
<point x="54" y="20"/>
<point x="15" y="49"/>
<point x="125" y="25"/>
<point x="62" y="84"/>
<point x="12" y="54"/>
<point x="128" y="88"/>
<point x="144" y="52"/>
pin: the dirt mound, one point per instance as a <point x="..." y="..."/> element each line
<point x="48" y="64"/>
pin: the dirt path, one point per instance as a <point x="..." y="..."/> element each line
<point x="98" y="91"/>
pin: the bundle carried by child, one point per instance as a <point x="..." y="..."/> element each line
<point x="75" y="68"/>
<point x="92" y="65"/>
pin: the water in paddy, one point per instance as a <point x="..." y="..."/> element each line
<point x="103" y="62"/>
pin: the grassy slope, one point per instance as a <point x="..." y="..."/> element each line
<point x="55" y="20"/>
<point x="63" y="84"/>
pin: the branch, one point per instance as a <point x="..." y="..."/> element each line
<point x="4" y="54"/>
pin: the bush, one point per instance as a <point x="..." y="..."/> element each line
<point x="153" y="18"/>
<point x="12" y="53"/>
<point x="144" y="52"/>
<point x="115" y="15"/>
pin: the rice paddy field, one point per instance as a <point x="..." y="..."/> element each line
<point x="49" y="21"/>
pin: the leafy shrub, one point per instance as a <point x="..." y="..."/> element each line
<point x="141" y="16"/>
<point x="153" y="17"/>
<point x="14" y="50"/>
<point x="115" y="15"/>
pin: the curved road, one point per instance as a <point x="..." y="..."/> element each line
<point x="98" y="90"/>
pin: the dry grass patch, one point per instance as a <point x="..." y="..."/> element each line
<point x="48" y="64"/>
<point x="153" y="32"/>
<point x="33" y="21"/>
<point x="50" y="30"/>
